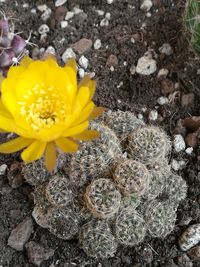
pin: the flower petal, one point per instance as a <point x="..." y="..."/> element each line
<point x="81" y="101"/>
<point x="66" y="145"/>
<point x="76" y="129"/>
<point x="25" y="62"/>
<point x="84" y="114"/>
<point x="84" y="81"/>
<point x="87" y="82"/>
<point x="33" y="152"/>
<point x="50" y="156"/>
<point x="96" y="112"/>
<point x="15" y="145"/>
<point x="87" y="135"/>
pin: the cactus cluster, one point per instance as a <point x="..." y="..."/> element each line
<point x="105" y="198"/>
<point x="11" y="46"/>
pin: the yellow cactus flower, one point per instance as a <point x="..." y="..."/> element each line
<point x="43" y="104"/>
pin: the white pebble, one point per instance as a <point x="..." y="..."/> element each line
<point x="179" y="143"/>
<point x="132" y="40"/>
<point x="97" y="44"/>
<point x="148" y="14"/>
<point x="60" y="2"/>
<point x="189" y="150"/>
<point x="81" y="73"/>
<point x="100" y="12"/>
<point x="153" y="115"/>
<point x="177" y="165"/>
<point x="146" y="5"/>
<point x="42" y="8"/>
<point x="140" y="116"/>
<point x="108" y="16"/>
<point x="166" y="49"/>
<point x="50" y="50"/>
<point x="69" y="15"/>
<point x="112" y="68"/>
<point x="63" y="24"/>
<point x="110" y="1"/>
<point x="46" y="15"/>
<point x="69" y="53"/>
<point x="190" y="237"/>
<point x="132" y="69"/>
<point x="104" y="22"/>
<point x="146" y="65"/>
<point x="77" y="10"/>
<point x="3" y="168"/>
<point x="163" y="100"/>
<point x="43" y="29"/>
<point x="33" y="11"/>
<point x="163" y="73"/>
<point x="83" y="61"/>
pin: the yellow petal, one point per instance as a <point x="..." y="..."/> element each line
<point x="33" y="152"/>
<point x="1" y="79"/>
<point x="87" y="135"/>
<point x="96" y="112"/>
<point x="82" y="99"/>
<point x="76" y="129"/>
<point x="50" y="156"/>
<point x="4" y="111"/>
<point x="84" y="81"/>
<point x="71" y="71"/>
<point x="15" y="145"/>
<point x="7" y="124"/>
<point x="66" y="145"/>
<point x="25" y="62"/>
<point x="85" y="113"/>
<point x="87" y="82"/>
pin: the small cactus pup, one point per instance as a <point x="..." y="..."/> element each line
<point x="192" y="23"/>
<point x="148" y="144"/>
<point x="11" y="46"/>
<point x="132" y="177"/>
<point x="130" y="227"/>
<point x="96" y="239"/>
<point x="102" y="198"/>
<point x="95" y="158"/>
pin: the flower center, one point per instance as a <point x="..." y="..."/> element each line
<point x="44" y="107"/>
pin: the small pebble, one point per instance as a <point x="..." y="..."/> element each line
<point x="20" y="235"/>
<point x="112" y="60"/>
<point x="163" y="73"/>
<point x="162" y="100"/>
<point x="69" y="53"/>
<point x="3" y="168"/>
<point x="179" y="143"/>
<point x="50" y="50"/>
<point x="140" y="116"/>
<point x="44" y="28"/>
<point x="42" y="8"/>
<point x="63" y="24"/>
<point x="110" y="1"/>
<point x="178" y="165"/>
<point x="166" y="49"/>
<point x="69" y="15"/>
<point x="146" y="65"/>
<point x="81" y="73"/>
<point x="166" y="86"/>
<point x="184" y="261"/>
<point x="100" y="12"/>
<point x="132" y="40"/>
<point x="60" y="2"/>
<point x="189" y="150"/>
<point x="108" y="16"/>
<point x="153" y="115"/>
<point x="46" y="15"/>
<point x="104" y="22"/>
<point x="146" y="5"/>
<point x="112" y="68"/>
<point x="194" y="253"/>
<point x="82" y="45"/>
<point x="97" y="44"/>
<point x="83" y="61"/>
<point x="132" y="69"/>
<point x="190" y="237"/>
<point x="77" y="10"/>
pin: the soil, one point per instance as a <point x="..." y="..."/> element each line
<point x="118" y="89"/>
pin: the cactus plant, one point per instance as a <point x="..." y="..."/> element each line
<point x="102" y="198"/>
<point x="132" y="177"/>
<point x="192" y="22"/>
<point x="11" y="46"/>
<point x="148" y="144"/>
<point x="97" y="240"/>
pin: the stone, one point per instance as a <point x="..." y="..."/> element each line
<point x="132" y="69"/>
<point x="37" y="254"/>
<point x="104" y="22"/>
<point x="3" y="169"/>
<point x="194" y="253"/>
<point x="166" y="49"/>
<point x="60" y="13"/>
<point x="99" y="12"/>
<point x="178" y="165"/>
<point x="189" y="150"/>
<point x="83" y="61"/>
<point x="190" y="237"/>
<point x="60" y="3"/>
<point x="110" y="1"/>
<point x="82" y="45"/>
<point x="112" y="61"/>
<point x="46" y="15"/>
<point x="147" y="255"/>
<point x="69" y="53"/>
<point x="63" y="24"/>
<point x="153" y="115"/>
<point x="192" y="123"/>
<point x="15" y="176"/>
<point x="69" y="15"/>
<point x="146" y="5"/>
<point x="163" y="73"/>
<point x="42" y="8"/>
<point x="184" y="261"/>
<point x="81" y="73"/>
<point x="20" y="235"/>
<point x="50" y="50"/>
<point x="166" y="86"/>
<point x="191" y="139"/>
<point x="146" y="65"/>
<point x="179" y="143"/>
<point x="44" y="28"/>
<point x="97" y="44"/>
<point x="187" y="99"/>
<point x="162" y="100"/>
